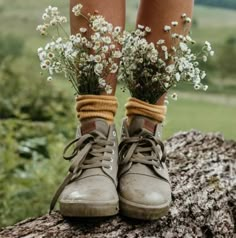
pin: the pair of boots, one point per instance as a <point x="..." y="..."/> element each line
<point x="105" y="178"/>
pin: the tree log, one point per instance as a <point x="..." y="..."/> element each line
<point x="203" y="177"/>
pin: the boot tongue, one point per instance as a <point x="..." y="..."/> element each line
<point x="90" y="125"/>
<point x="141" y="125"/>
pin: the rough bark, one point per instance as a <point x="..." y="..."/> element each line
<point x="203" y="177"/>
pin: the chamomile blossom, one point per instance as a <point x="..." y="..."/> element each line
<point x="188" y="20"/>
<point x="174" y="23"/>
<point x="167" y="28"/>
<point x="77" y="9"/>
<point x="174" y="96"/>
<point x="108" y="89"/>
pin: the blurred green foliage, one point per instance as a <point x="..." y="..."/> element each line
<point x="29" y="117"/>
<point x="226" y="58"/>
<point x="231" y="4"/>
<point x="21" y="98"/>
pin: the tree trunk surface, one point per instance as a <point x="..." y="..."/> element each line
<point x="203" y="177"/>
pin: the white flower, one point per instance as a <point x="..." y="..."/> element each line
<point x="203" y="75"/>
<point x="177" y="77"/>
<point x="147" y="29"/>
<point x="51" y="55"/>
<point x="174" y="23"/>
<point x="138" y="32"/>
<point x="105" y="48"/>
<point x="109" y="27"/>
<point x="104" y="29"/>
<point x="166" y="55"/>
<point x="170" y="68"/>
<point x="117" y="29"/>
<point x="207" y="43"/>
<point x="204" y="58"/>
<point x="154" y="79"/>
<point x="174" y="96"/>
<point x="84" y="40"/>
<point x="153" y="58"/>
<point x="212" y="53"/>
<point x="164" y="48"/>
<point x="102" y="82"/>
<point x="83" y="29"/>
<point x="44" y="66"/>
<point x="167" y="28"/>
<point x="77" y="9"/>
<point x="184" y="15"/>
<point x="107" y="39"/>
<point x="112" y="46"/>
<point x="197" y="87"/>
<point x="174" y="35"/>
<point x="188" y="38"/>
<point x="166" y="85"/>
<point x="167" y="78"/>
<point x="114" y="68"/>
<point x="140" y="26"/>
<point x="49" y="78"/>
<point x="205" y="87"/>
<point x="59" y="40"/>
<point x="108" y="89"/>
<point x="97" y="58"/>
<point x="188" y="20"/>
<point x="98" y="68"/>
<point x="45" y="16"/>
<point x="117" y="54"/>
<point x="40" y="50"/>
<point x="173" y="48"/>
<point x="183" y="46"/>
<point x="160" y="42"/>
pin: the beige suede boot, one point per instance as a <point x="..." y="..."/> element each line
<point x="144" y="187"/>
<point x="89" y="189"/>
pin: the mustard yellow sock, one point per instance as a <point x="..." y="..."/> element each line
<point x="92" y="106"/>
<point x="135" y="106"/>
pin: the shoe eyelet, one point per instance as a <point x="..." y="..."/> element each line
<point x="113" y="152"/>
<point x="114" y="133"/>
<point x="111" y="160"/>
<point x="110" y="167"/>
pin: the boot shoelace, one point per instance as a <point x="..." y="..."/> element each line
<point x="89" y="152"/>
<point x="142" y="149"/>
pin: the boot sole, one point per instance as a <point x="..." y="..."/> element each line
<point x="142" y="212"/>
<point x="88" y="208"/>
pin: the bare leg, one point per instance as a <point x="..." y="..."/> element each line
<point x="113" y="11"/>
<point x="158" y="13"/>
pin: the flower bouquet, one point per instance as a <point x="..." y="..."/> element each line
<point x="84" y="61"/>
<point x="149" y="70"/>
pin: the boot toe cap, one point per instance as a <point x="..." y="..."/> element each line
<point x="88" y="190"/>
<point x="145" y="190"/>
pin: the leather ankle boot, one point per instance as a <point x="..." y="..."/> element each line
<point x="89" y="189"/>
<point x="144" y="187"/>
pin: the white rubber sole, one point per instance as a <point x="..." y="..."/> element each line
<point x="143" y="212"/>
<point x="88" y="208"/>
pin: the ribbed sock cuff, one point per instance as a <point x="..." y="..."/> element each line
<point x="135" y="106"/>
<point x="93" y="106"/>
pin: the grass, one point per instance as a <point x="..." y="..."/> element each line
<point x="186" y="114"/>
<point x="214" y="17"/>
